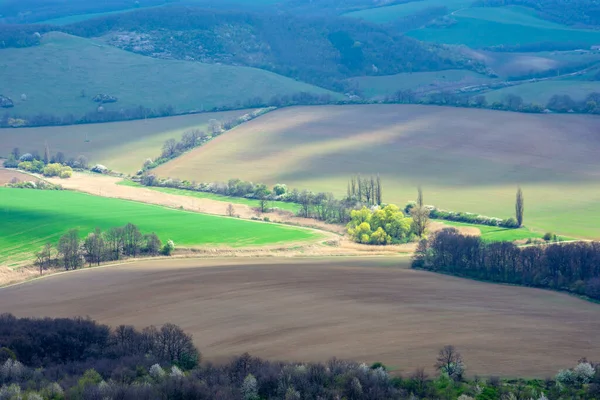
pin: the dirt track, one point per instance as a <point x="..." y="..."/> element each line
<point x="310" y="309"/>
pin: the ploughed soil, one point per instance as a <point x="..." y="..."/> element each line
<point x="6" y="175"/>
<point x="312" y="309"/>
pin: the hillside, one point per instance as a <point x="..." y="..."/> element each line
<point x="322" y="50"/>
<point x="466" y="160"/>
<point x="121" y="146"/>
<point x="56" y="74"/>
<point x="503" y="26"/>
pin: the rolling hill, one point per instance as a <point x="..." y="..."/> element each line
<point x="503" y="26"/>
<point x="121" y="146"/>
<point x="54" y="75"/>
<point x="466" y="159"/>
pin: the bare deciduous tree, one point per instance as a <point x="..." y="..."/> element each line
<point x="94" y="247"/>
<point x="169" y="148"/>
<point x="449" y="361"/>
<point x="44" y="257"/>
<point x="230" y="210"/>
<point x="70" y="250"/>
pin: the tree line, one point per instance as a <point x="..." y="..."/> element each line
<point x="46" y="164"/>
<point x="99" y="246"/>
<point x="80" y="359"/>
<point x="196" y="137"/>
<point x="572" y="267"/>
<point x="511" y="102"/>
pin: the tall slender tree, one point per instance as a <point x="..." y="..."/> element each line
<point x="379" y="191"/>
<point x="520" y="206"/>
<point x="420" y="197"/>
<point x="46" y="153"/>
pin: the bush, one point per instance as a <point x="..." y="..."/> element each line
<point x="99" y="169"/>
<point x="168" y="248"/>
<point x="510" y="223"/>
<point x="280" y="189"/>
<point x="550" y="236"/>
<point x="52" y="170"/>
<point x="66" y="172"/>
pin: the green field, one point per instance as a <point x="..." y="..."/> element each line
<point x="465" y="159"/>
<point x="121" y="146"/>
<point x="293" y="207"/>
<point x="381" y="86"/>
<point x="31" y="218"/>
<point x="54" y="74"/>
<point x="392" y="13"/>
<point x="487" y="26"/>
<point x="541" y="92"/>
<point x="498" y="234"/>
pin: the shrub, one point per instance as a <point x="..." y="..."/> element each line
<point x="583" y="373"/>
<point x="510" y="223"/>
<point x="99" y="169"/>
<point x="549" y="236"/>
<point x="156" y="372"/>
<point x="66" y="172"/>
<point x="168" y="248"/>
<point x="26" y="157"/>
<point x="52" y="170"/>
<point x="280" y="189"/>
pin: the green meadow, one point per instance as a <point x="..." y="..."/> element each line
<point x="495" y="26"/>
<point x="63" y="74"/>
<point x="31" y="218"/>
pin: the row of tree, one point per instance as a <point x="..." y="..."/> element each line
<point x="366" y="190"/>
<point x="79" y="359"/>
<point x="36" y="162"/>
<point x="71" y="252"/>
<point x="574" y="267"/>
<point x="511" y="102"/>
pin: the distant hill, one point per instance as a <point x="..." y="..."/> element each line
<point x="63" y="74"/>
<point x="324" y="51"/>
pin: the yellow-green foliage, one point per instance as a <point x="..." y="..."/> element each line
<point x="31" y="166"/>
<point x="56" y="169"/>
<point x="381" y="226"/>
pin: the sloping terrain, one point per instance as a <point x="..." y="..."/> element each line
<point x="120" y="146"/>
<point x="466" y="159"/>
<point x="487" y="26"/>
<point x="314" y="309"/>
<point x="32" y="218"/>
<point x="64" y="73"/>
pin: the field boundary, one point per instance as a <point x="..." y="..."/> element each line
<point x="581" y="297"/>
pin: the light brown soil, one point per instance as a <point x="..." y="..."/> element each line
<point x="312" y="309"/>
<point x="106" y="186"/>
<point x="7" y="174"/>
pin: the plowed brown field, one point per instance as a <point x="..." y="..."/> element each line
<point x="369" y="309"/>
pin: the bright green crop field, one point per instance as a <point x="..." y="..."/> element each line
<point x="30" y="218"/>
<point x="202" y="195"/>
<point x="500" y="234"/>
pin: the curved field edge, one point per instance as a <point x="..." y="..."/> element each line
<point x="288" y="304"/>
<point x="465" y="159"/>
<point x="32" y="218"/>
